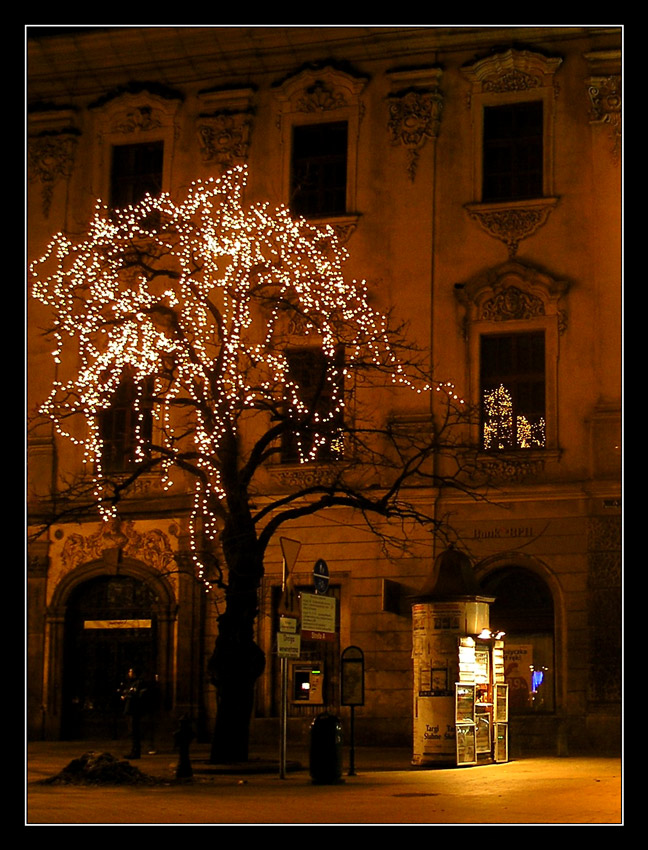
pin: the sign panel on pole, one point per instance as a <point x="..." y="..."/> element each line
<point x="318" y="617"/>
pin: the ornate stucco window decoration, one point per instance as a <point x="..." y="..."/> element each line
<point x="511" y="300"/>
<point x="605" y="93"/>
<point x="224" y="126"/>
<point x="509" y="79"/>
<point x="133" y="117"/>
<point x="51" y="149"/>
<point x="415" y="110"/>
<point x="322" y="95"/>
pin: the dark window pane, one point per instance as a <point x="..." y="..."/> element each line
<point x="136" y="172"/>
<point x="319" y="169"/>
<point x="307" y="369"/>
<point x="513" y="152"/>
<point x="118" y="427"/>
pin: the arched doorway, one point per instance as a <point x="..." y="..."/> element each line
<point x="524" y="610"/>
<point x="111" y="625"/>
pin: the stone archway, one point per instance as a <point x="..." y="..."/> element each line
<point x="105" y="617"/>
<point x="529" y="608"/>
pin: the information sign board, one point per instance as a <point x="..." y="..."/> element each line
<point x="317" y="617"/>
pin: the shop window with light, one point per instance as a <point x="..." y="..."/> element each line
<point x="512" y="140"/>
<point x="524" y="610"/>
<point x="318" y="177"/>
<point x="315" y="431"/>
<point x="126" y="427"/>
<point x="512" y="382"/>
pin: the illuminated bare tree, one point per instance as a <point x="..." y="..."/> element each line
<point x="240" y="343"/>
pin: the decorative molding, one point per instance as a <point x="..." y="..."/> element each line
<point x="523" y="466"/>
<point x="415" y="108"/>
<point x="224" y="138"/>
<point x="304" y="475"/>
<point x="512" y="303"/>
<point x="512" y="221"/>
<point x="414" y="117"/>
<point x="119" y="536"/>
<point x="605" y="93"/>
<point x="512" y="292"/>
<point x="224" y="126"/>
<point x="318" y="91"/>
<point x="51" y="151"/>
<point x="132" y="114"/>
<point x="512" y="71"/>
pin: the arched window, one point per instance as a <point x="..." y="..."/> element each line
<point x="524" y="610"/>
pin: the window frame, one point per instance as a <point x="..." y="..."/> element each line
<point x="514" y="299"/>
<point x="133" y="119"/>
<point x="321" y="96"/>
<point x="123" y="452"/>
<point x="289" y="453"/>
<point x="510" y="383"/>
<point x="321" y="161"/>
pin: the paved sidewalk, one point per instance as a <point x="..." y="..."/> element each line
<point x="384" y="790"/>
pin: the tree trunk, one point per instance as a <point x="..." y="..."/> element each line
<point x="237" y="660"/>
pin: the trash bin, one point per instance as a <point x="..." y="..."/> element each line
<point x="326" y="749"/>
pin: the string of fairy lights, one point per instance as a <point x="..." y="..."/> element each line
<point x="203" y="285"/>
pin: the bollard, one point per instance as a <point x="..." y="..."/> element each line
<point x="326" y="749"/>
<point x="183" y="737"/>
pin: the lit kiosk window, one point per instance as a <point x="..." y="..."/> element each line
<point x="512" y="368"/>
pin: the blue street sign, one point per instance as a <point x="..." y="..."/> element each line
<point x="320" y="576"/>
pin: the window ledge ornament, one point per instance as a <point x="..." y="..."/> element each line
<point x="415" y="112"/>
<point x="512" y="221"/>
<point x="516" y="467"/>
<point x="51" y="151"/>
<point x="224" y="127"/>
<point x="343" y="226"/>
<point x="305" y="475"/>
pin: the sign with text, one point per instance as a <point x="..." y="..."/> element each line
<point x="288" y="645"/>
<point x="317" y="617"/>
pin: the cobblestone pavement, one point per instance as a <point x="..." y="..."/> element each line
<point x="384" y="789"/>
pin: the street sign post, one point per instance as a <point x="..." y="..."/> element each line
<point x="288" y="642"/>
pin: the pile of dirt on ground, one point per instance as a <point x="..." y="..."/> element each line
<point x="99" y="769"/>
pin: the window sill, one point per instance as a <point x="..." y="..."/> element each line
<point x="511" y="221"/>
<point x="344" y="225"/>
<point x="518" y="464"/>
<point x="303" y="475"/>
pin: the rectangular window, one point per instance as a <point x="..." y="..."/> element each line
<point x="125" y="424"/>
<point x="136" y="171"/>
<point x="513" y="391"/>
<point x="318" y="178"/>
<point x="316" y="432"/>
<point x="513" y="152"/>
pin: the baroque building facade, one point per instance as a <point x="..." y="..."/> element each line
<point x="474" y="175"/>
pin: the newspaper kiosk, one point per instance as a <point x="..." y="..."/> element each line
<point x="460" y="697"/>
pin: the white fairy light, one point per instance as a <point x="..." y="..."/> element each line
<point x="196" y="306"/>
